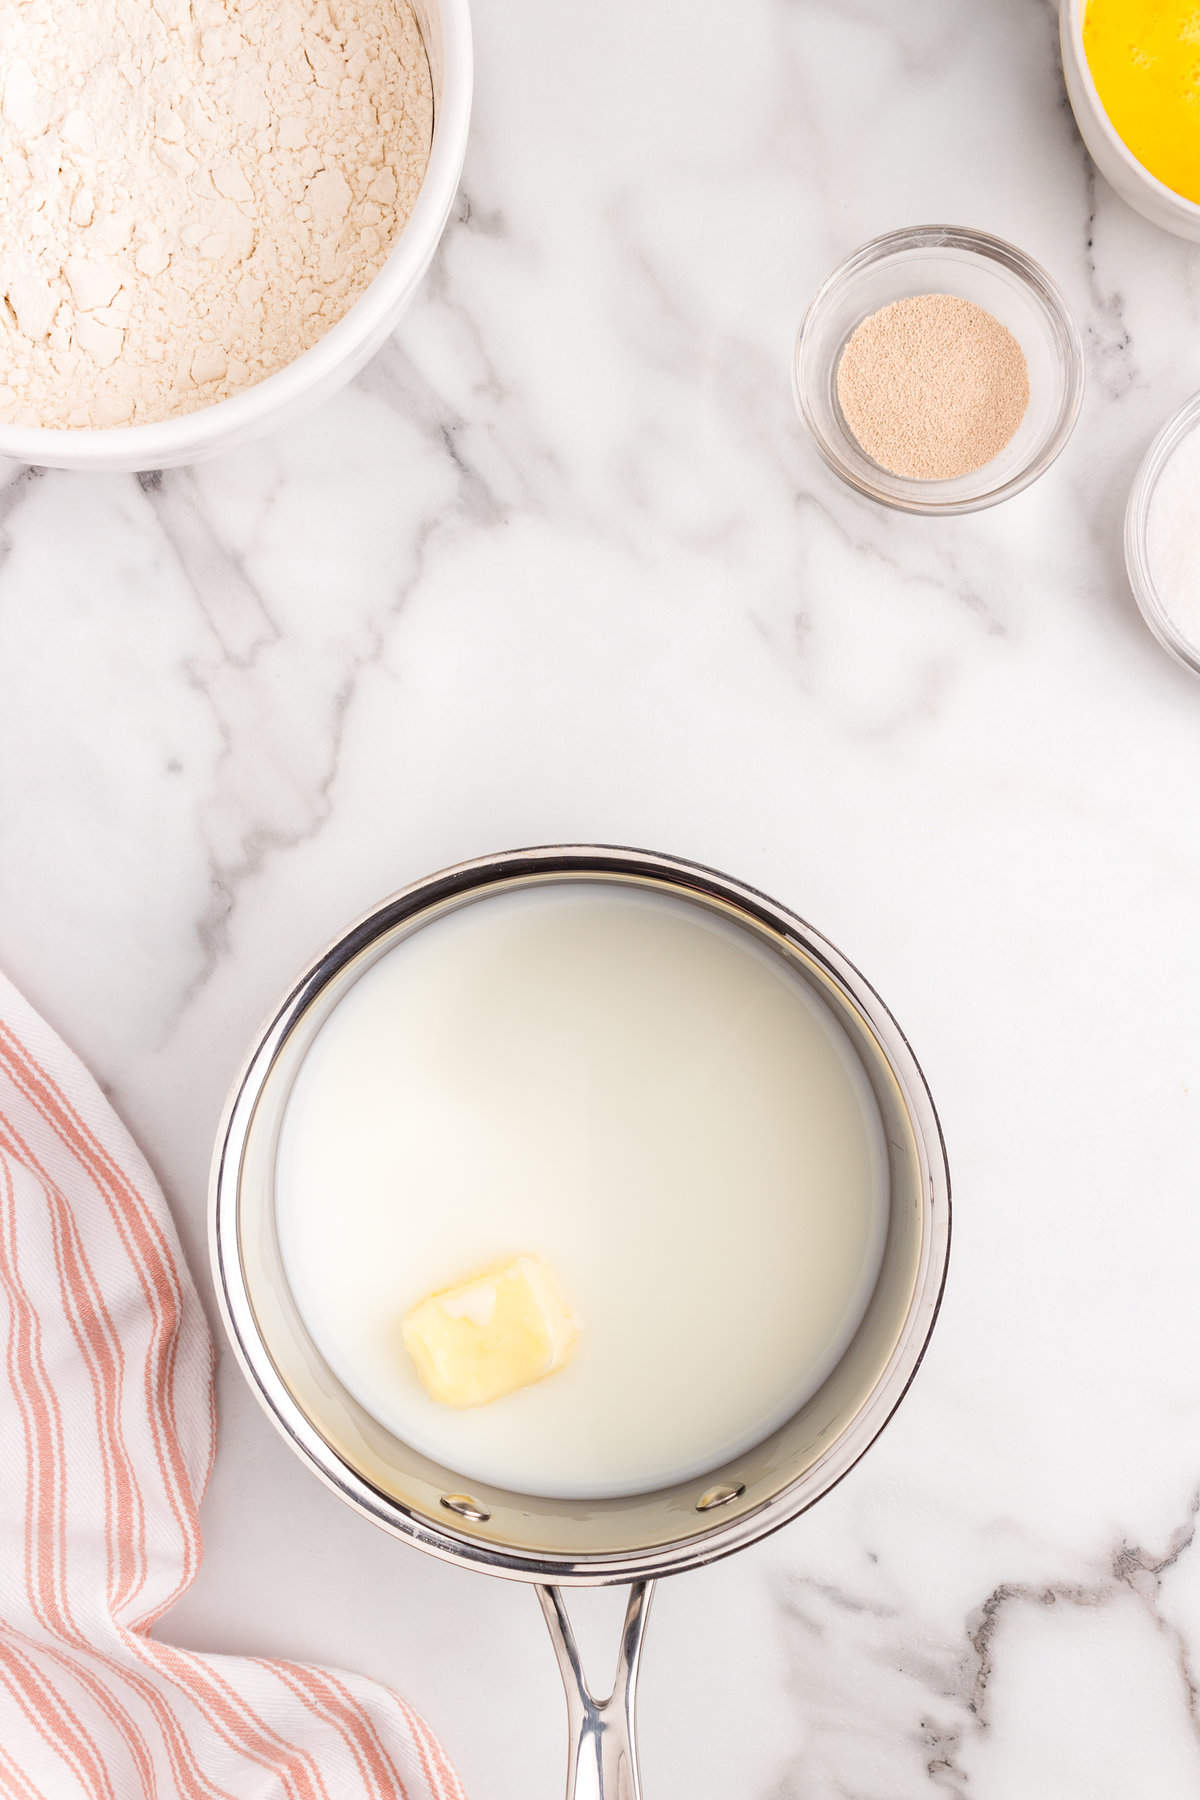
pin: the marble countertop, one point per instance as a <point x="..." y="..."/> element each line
<point x="562" y="565"/>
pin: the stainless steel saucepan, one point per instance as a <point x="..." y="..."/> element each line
<point x="556" y="1544"/>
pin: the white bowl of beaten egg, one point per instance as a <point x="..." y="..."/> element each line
<point x="280" y="226"/>
<point x="1130" y="71"/>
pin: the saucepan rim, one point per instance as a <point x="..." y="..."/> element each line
<point x="446" y="1539"/>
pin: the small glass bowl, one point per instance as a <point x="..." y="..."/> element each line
<point x="942" y="259"/>
<point x="1137" y="518"/>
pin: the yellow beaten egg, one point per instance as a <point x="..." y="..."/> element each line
<point x="1144" y="56"/>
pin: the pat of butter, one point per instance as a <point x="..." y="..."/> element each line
<point x="500" y="1331"/>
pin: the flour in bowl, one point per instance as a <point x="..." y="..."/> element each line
<point x="193" y="191"/>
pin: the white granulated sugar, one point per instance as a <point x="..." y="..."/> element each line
<point x="193" y="191"/>
<point x="1173" y="538"/>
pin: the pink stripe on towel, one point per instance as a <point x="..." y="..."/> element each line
<point x="106" y="1440"/>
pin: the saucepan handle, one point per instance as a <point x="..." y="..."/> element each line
<point x="603" y="1758"/>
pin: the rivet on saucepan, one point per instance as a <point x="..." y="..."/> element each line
<point x="466" y="1507"/>
<point x="719" y="1496"/>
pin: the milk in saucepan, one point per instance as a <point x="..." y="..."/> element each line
<point x="642" y="1094"/>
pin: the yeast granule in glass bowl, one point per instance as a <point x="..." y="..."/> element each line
<point x="933" y="387"/>
<point x="858" y="325"/>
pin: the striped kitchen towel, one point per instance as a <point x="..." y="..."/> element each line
<point x="107" y="1434"/>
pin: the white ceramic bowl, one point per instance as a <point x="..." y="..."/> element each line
<point x="335" y="358"/>
<point x="1115" y="161"/>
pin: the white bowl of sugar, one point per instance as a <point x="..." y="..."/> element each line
<point x="1162" y="536"/>
<point x="217" y="228"/>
